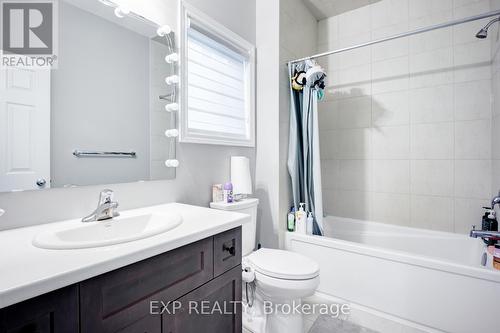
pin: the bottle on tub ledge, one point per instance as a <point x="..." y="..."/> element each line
<point x="290" y="221"/>
<point x="301" y="219"/>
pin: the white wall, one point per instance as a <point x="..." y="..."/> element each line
<point x="494" y="37"/>
<point x="267" y="167"/>
<point x="200" y="165"/>
<point x="406" y="127"/>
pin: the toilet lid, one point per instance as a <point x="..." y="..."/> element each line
<point x="283" y="264"/>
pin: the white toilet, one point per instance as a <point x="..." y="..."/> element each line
<point x="282" y="279"/>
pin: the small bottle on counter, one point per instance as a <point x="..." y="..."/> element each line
<point x="228" y="193"/>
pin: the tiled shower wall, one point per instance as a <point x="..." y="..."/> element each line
<point x="406" y="127"/>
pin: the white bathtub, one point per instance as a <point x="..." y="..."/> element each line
<point x="431" y="279"/>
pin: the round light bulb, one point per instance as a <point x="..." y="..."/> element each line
<point x="171" y="58"/>
<point x="171" y="107"/>
<point x="171" y="163"/>
<point x="173" y="79"/>
<point x="122" y="11"/>
<point x="163" y="30"/>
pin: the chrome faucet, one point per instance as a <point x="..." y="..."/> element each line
<point x="495" y="201"/>
<point x="494" y="235"/>
<point x="106" y="208"/>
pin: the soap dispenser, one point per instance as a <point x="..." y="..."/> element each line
<point x="300" y="219"/>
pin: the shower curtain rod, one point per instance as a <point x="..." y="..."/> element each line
<point x="401" y="35"/>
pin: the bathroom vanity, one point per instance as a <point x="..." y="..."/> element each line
<point x="148" y="285"/>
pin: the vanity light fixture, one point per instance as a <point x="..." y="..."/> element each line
<point x="172" y="133"/>
<point x="172" y="107"/>
<point x="121" y="11"/>
<point x="171" y="58"/>
<point x="172" y="163"/>
<point x="163" y="30"/>
<point x="173" y="79"/>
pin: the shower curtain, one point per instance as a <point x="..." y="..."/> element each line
<point x="304" y="165"/>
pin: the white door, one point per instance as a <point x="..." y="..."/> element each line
<point x="24" y="129"/>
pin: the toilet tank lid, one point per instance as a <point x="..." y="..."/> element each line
<point x="237" y="205"/>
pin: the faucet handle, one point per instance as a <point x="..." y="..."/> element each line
<point x="106" y="196"/>
<point x="473" y="227"/>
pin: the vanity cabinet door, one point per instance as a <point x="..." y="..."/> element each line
<point x="55" y="312"/>
<point x="215" y="307"/>
<point x="119" y="301"/>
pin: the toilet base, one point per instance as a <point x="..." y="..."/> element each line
<point x="255" y="320"/>
<point x="285" y="321"/>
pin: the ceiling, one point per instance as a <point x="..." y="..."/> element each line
<point x="322" y="9"/>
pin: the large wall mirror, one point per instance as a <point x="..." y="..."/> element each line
<point x="100" y="117"/>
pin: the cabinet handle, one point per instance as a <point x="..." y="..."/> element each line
<point x="229" y="249"/>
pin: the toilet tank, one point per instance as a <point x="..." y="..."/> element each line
<point x="248" y="230"/>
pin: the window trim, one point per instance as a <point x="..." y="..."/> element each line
<point x="188" y="12"/>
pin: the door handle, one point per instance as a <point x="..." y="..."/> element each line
<point x="41" y="182"/>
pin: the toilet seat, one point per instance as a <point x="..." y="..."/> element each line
<point x="280" y="264"/>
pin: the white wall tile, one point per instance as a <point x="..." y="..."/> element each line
<point x="330" y="174"/>
<point x="328" y="112"/>
<point x="390" y="208"/>
<point x="354" y="175"/>
<point x="391" y="142"/>
<point x="353" y="144"/>
<point x="472" y="100"/>
<point x="472" y="139"/>
<point x="389" y="12"/>
<point x="434" y="104"/>
<point x="432" y="141"/>
<point x="329" y="144"/>
<point x="355" y="112"/>
<point x="431" y="68"/>
<point x="389" y="109"/>
<point x="472" y="178"/>
<point x="390" y="75"/>
<point x="422" y="8"/>
<point x="431" y="212"/>
<point x="392" y="176"/>
<point x="432" y="177"/>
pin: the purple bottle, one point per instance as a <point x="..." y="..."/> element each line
<point x="228" y="192"/>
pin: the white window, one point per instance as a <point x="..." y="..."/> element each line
<point x="217" y="83"/>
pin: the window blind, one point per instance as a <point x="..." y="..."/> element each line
<point x="216" y="87"/>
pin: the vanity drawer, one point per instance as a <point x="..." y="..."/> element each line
<point x="227" y="250"/>
<point x="115" y="300"/>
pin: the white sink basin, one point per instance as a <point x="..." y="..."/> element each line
<point x="102" y="233"/>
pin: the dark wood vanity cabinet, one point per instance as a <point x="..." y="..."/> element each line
<point x="55" y="312"/>
<point x="168" y="293"/>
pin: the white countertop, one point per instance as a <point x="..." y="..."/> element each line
<point x="27" y="271"/>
